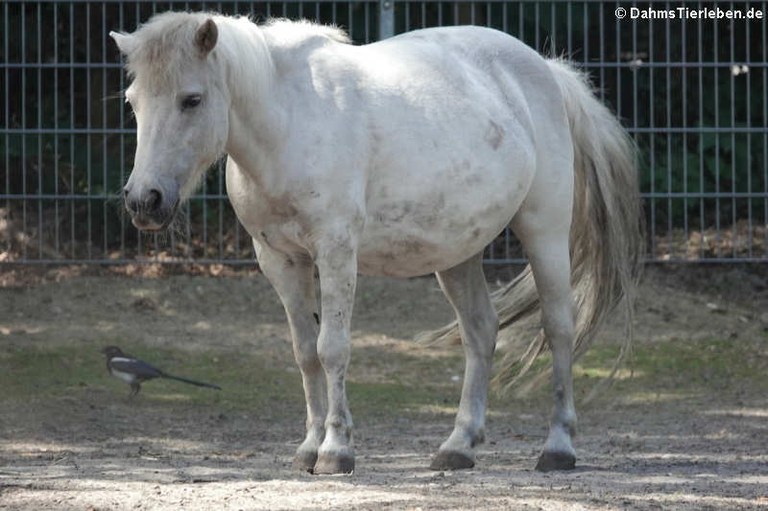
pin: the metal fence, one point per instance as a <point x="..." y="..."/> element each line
<point x="692" y="91"/>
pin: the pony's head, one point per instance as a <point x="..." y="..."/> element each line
<point x="181" y="108"/>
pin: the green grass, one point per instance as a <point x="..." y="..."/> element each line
<point x="249" y="382"/>
<point x="30" y="370"/>
<point x="676" y="368"/>
<point x="680" y="368"/>
<point x="38" y="372"/>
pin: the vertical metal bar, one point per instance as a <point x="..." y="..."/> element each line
<point x="72" y="181"/>
<point x="585" y="11"/>
<point x="748" y="58"/>
<point x="684" y="71"/>
<point x="39" y="81"/>
<point x="765" y="134"/>
<point x="505" y="17"/>
<point x="652" y="139"/>
<point x="57" y="224"/>
<point x="569" y="23"/>
<point x="552" y="30"/>
<point x="715" y="46"/>
<point x="351" y="17"/>
<point x="386" y="19"/>
<point x="88" y="125"/>
<point x="734" y="184"/>
<point x="602" y="52"/>
<point x="668" y="121"/>
<point x="617" y="61"/>
<point x="702" y="218"/>
<point x="7" y="119"/>
<point x="104" y="137"/>
<point x="635" y="77"/>
<point x="24" y="128"/>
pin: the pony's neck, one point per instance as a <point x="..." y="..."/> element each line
<point x="256" y="121"/>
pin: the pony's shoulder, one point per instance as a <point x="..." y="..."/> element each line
<point x="295" y="32"/>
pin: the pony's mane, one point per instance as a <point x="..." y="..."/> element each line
<point x="166" y="42"/>
<point x="288" y="31"/>
<point x="163" y="44"/>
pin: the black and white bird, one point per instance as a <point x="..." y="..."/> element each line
<point x="134" y="371"/>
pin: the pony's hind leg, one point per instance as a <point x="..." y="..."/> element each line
<point x="546" y="244"/>
<point x="294" y="280"/>
<point x="465" y="287"/>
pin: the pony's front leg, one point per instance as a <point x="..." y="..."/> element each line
<point x="293" y="277"/>
<point x="337" y="266"/>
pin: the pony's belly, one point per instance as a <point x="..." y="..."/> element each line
<point x="409" y="258"/>
<point x="415" y="227"/>
<point x="407" y="249"/>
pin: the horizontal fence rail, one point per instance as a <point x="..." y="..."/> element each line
<point x="691" y="91"/>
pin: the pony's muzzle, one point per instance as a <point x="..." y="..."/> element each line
<point x="146" y="209"/>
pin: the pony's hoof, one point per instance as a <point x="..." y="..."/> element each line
<point x="334" y="464"/>
<point x="549" y="461"/>
<point x="451" y="460"/>
<point x="305" y="461"/>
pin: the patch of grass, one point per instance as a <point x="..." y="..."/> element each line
<point x="53" y="372"/>
<point x="660" y="371"/>
<point x="378" y="399"/>
<point x="382" y="380"/>
<point x="401" y="383"/>
<point x="679" y="368"/>
<point x="31" y="371"/>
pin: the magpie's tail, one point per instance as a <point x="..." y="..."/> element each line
<point x="191" y="382"/>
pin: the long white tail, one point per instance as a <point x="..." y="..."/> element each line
<point x="607" y="236"/>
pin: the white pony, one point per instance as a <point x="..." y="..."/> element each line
<point x="402" y="157"/>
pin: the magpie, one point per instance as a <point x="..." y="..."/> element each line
<point x="134" y="371"/>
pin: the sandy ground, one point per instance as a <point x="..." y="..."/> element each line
<point x="92" y="448"/>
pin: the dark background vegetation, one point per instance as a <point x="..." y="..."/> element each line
<point x="66" y="140"/>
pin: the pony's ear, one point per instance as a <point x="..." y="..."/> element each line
<point x="125" y="42"/>
<point x="206" y="36"/>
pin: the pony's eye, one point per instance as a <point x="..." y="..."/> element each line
<point x="191" y="101"/>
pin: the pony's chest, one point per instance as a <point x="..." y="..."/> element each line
<point x="268" y="221"/>
<point x="279" y="229"/>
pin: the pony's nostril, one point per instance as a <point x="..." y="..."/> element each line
<point x="131" y="204"/>
<point x="154" y="200"/>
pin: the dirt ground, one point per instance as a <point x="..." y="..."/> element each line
<point x="688" y="430"/>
